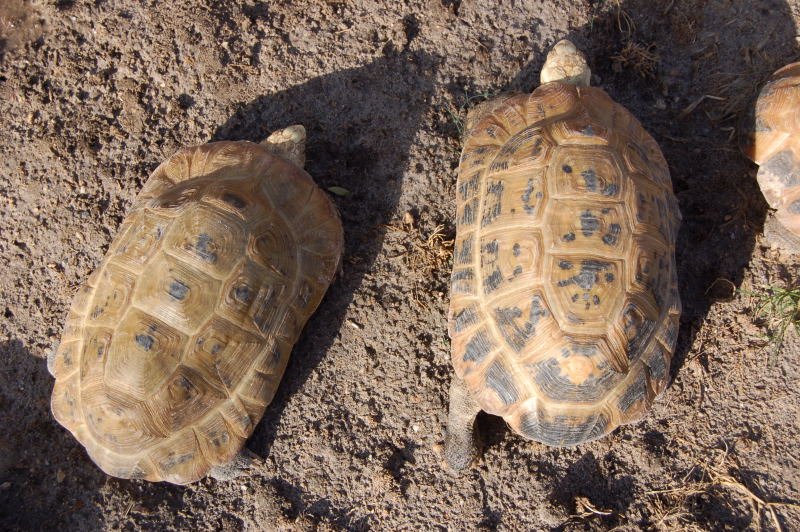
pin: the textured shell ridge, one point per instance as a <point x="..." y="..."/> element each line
<point x="563" y="265"/>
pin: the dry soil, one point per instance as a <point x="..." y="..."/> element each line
<point x="94" y="94"/>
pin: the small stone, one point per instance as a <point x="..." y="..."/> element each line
<point x="4" y="486"/>
<point x="60" y="476"/>
<point x="408" y="218"/>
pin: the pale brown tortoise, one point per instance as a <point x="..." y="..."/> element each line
<point x="177" y="342"/>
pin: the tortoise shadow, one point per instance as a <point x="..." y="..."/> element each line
<point x="360" y="124"/>
<point x="46" y="478"/>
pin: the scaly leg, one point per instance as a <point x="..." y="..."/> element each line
<point x="459" y="444"/>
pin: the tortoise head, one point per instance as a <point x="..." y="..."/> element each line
<point x="566" y="64"/>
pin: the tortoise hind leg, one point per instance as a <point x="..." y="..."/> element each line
<point x="241" y="464"/>
<point x="459" y="443"/>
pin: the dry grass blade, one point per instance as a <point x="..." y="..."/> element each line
<point x="585" y="508"/>
<point x="673" y="503"/>
<point x="639" y="58"/>
<point x="424" y="254"/>
<point x="692" y="106"/>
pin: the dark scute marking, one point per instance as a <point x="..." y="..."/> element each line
<point x="178" y="290"/>
<point x="610" y="190"/>
<point x="145" y="341"/>
<point x="563" y="430"/>
<point x="276" y="354"/>
<point x="491" y="282"/>
<point x="589" y="179"/>
<point x="517" y="271"/>
<point x="555" y="385"/>
<point x="671" y="332"/>
<point x="526" y="197"/>
<point x="640" y="338"/>
<point x="636" y="392"/>
<point x="97" y="312"/>
<point x="234" y="201"/>
<point x="216" y="348"/>
<point x="564" y="264"/>
<point x="491" y="247"/>
<point x="203" y="248"/>
<point x="537" y="148"/>
<point x="658" y="368"/>
<point x="499" y="379"/>
<point x="492" y="208"/>
<point x="173" y="460"/>
<point x="794" y="207"/>
<point x="587" y="277"/>
<point x="568" y="237"/>
<point x="243" y="294"/>
<point x="159" y="232"/>
<point x="491" y="131"/>
<point x="468" y="216"/>
<point x="464" y="254"/>
<point x="609" y="277"/>
<point x="515" y="249"/>
<point x="610" y="238"/>
<point x="575" y="297"/>
<point x="589" y="223"/>
<point x="478" y="347"/>
<point x="567" y="169"/>
<point x="517" y="336"/>
<point x="588" y="131"/>
<point x="514" y="336"/>
<point x="784" y="167"/>
<point x="465" y="318"/>
<point x="498" y="165"/>
<point x="469" y="187"/>
<point x="462" y="275"/>
<point x="538" y="311"/>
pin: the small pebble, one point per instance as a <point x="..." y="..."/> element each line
<point x="60" y="476"/>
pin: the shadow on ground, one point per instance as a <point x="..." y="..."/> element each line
<point x="34" y="495"/>
<point x="360" y="124"/>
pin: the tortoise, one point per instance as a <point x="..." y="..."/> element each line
<point x="564" y="302"/>
<point x="772" y="141"/>
<point x="177" y="342"/>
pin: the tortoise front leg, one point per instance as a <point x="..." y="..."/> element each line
<point x="459" y="442"/>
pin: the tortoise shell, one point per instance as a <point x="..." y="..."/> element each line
<point x="564" y="302"/>
<point x="177" y="342"/>
<point x="773" y="142"/>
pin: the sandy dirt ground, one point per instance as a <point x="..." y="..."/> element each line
<point x="94" y="94"/>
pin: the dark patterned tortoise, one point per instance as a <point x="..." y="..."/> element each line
<point x="177" y="342"/>
<point x="564" y="301"/>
